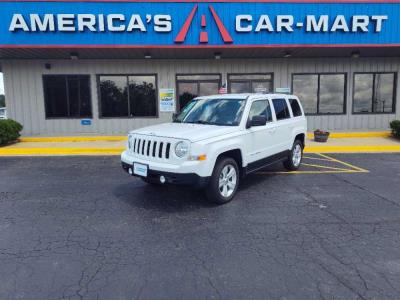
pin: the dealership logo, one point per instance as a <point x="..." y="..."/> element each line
<point x="203" y="38"/>
<point x="163" y="23"/>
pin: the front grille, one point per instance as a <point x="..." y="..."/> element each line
<point x="150" y="148"/>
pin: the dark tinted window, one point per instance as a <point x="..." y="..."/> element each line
<point x="191" y="86"/>
<point x="67" y="96"/>
<point x="374" y="93"/>
<point x="281" y="109"/>
<point x="321" y="93"/>
<point x="128" y="95"/>
<point x="250" y="83"/>
<point x="261" y="108"/>
<point x="294" y="104"/>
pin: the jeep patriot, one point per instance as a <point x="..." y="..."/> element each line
<point x="215" y="141"/>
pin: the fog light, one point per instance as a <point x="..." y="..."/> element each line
<point x="162" y="179"/>
<point x="130" y="171"/>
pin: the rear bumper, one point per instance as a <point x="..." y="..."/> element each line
<point x="187" y="179"/>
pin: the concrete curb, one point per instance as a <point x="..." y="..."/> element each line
<point x="116" y="138"/>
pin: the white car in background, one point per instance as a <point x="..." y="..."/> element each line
<point x="217" y="140"/>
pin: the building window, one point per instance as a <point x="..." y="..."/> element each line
<point x="128" y="96"/>
<point x="281" y="109"/>
<point x="296" y="110"/>
<point x="67" y="96"/>
<point x="250" y="83"/>
<point x="321" y="93"/>
<point x="190" y="86"/>
<point x="374" y="93"/>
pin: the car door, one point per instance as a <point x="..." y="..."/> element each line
<point x="258" y="138"/>
<point x="283" y="137"/>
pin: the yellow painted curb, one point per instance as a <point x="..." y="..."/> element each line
<point x="117" y="138"/>
<point x="59" y="151"/>
<point x="118" y="150"/>
<point x="364" y="134"/>
<point x="352" y="149"/>
<point x="56" y="139"/>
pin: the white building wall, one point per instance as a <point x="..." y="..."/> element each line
<point x="25" y="99"/>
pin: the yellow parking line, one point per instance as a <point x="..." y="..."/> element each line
<point x="316" y="158"/>
<point x="325" y="167"/>
<point x="310" y="172"/>
<point x="344" y="163"/>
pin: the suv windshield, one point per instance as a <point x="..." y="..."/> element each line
<point x="223" y="112"/>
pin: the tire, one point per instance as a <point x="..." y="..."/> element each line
<point x="293" y="161"/>
<point x="224" y="181"/>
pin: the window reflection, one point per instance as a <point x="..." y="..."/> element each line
<point x="373" y="92"/>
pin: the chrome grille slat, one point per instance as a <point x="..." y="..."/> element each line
<point x="152" y="148"/>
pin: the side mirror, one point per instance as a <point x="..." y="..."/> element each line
<point x="256" y="121"/>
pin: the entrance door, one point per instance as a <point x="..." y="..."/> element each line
<point x="250" y="83"/>
<point x="192" y="86"/>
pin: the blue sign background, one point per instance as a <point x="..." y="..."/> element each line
<point x="390" y="33"/>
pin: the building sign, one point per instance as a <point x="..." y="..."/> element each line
<point x="167" y="100"/>
<point x="177" y="24"/>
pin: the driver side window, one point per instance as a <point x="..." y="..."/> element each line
<point x="261" y="108"/>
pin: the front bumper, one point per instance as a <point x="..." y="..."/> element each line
<point x="189" y="179"/>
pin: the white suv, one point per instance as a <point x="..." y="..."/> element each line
<point x="217" y="140"/>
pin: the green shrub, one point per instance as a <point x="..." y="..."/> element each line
<point x="9" y="131"/>
<point x="395" y="125"/>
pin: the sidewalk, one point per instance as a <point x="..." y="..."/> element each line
<point x="113" y="145"/>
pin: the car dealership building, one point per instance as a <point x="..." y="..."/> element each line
<point x="106" y="67"/>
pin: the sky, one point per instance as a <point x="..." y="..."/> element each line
<point x="1" y="84"/>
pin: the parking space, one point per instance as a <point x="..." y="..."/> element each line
<point x="80" y="227"/>
<point x="317" y="163"/>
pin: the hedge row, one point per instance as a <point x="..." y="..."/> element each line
<point x="9" y="131"/>
<point x="395" y="125"/>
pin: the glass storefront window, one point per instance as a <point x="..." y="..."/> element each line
<point x="128" y="95"/>
<point x="321" y="93"/>
<point x="191" y="86"/>
<point x="374" y="92"/>
<point x="250" y="83"/>
<point x="67" y="96"/>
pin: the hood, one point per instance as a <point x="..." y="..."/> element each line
<point x="191" y="132"/>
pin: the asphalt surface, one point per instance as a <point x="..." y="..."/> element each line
<point x="79" y="227"/>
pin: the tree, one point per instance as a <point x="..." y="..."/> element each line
<point x="2" y="101"/>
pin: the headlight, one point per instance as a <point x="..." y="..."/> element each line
<point x="181" y="149"/>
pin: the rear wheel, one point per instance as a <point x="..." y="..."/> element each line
<point x="295" y="156"/>
<point x="224" y="181"/>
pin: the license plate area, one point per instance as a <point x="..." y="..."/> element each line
<point x="140" y="169"/>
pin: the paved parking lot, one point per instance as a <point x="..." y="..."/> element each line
<point x="79" y="227"/>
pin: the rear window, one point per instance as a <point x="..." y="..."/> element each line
<point x="294" y="104"/>
<point x="281" y="109"/>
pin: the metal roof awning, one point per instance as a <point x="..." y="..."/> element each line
<point x="208" y="52"/>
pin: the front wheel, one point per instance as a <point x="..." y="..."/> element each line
<point x="295" y="156"/>
<point x="224" y="181"/>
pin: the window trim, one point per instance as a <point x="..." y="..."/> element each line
<point x="177" y="81"/>
<point x="394" y="96"/>
<point x="67" y="118"/>
<point x="270" y="108"/>
<point x="250" y="80"/>
<point x="300" y="106"/>
<point x="318" y="92"/>
<point x="287" y="105"/>
<point x="156" y="116"/>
